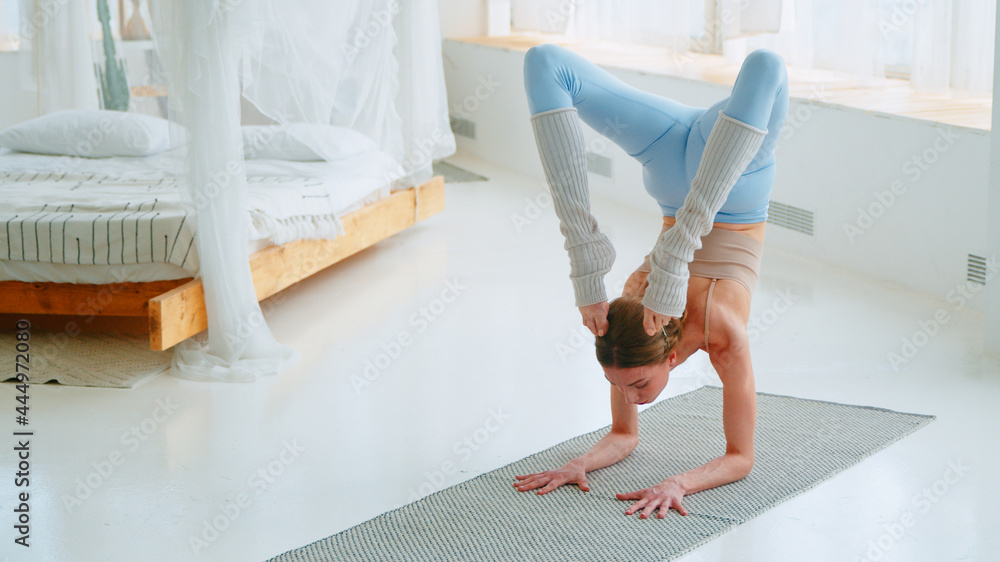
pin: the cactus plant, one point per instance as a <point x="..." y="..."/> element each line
<point x="114" y="82"/>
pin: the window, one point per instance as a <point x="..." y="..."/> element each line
<point x="896" y="29"/>
<point x="10" y="18"/>
<point x="700" y="13"/>
<point x="128" y="21"/>
<point x="652" y="22"/>
<point x="939" y="46"/>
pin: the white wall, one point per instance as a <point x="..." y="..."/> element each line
<point x="991" y="333"/>
<point x="831" y="161"/>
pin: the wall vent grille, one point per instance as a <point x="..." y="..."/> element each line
<point x="792" y="218"/>
<point x="977" y="269"/>
<point x="463" y="127"/>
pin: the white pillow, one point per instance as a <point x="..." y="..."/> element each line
<point x="90" y="133"/>
<point x="304" y="142"/>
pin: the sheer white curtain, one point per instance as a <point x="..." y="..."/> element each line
<point x="953" y="46"/>
<point x="422" y="102"/>
<point x="323" y="62"/>
<point x="951" y="40"/>
<point x="794" y="37"/>
<point x="931" y="66"/>
<point x="9" y="34"/>
<point x="832" y="34"/>
<point x="198" y="44"/>
<point x="664" y="23"/>
<point x="759" y="16"/>
<point x="374" y="66"/>
<point x="55" y="46"/>
<point x="946" y="45"/>
<point x="311" y="61"/>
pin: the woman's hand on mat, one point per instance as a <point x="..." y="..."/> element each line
<point x="570" y="473"/>
<point x="652" y="321"/>
<point x="595" y="317"/>
<point x="665" y="495"/>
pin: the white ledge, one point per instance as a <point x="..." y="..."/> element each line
<point x="889" y="98"/>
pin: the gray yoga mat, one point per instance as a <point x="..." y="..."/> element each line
<point x="799" y="443"/>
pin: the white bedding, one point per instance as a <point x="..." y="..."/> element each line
<point x="79" y="220"/>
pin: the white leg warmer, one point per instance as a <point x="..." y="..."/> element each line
<point x="731" y="147"/>
<point x="559" y="137"/>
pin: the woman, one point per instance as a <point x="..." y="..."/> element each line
<point x="711" y="170"/>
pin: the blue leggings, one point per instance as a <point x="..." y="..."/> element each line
<point x="667" y="137"/>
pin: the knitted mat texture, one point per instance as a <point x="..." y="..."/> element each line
<point x="110" y="360"/>
<point x="799" y="443"/>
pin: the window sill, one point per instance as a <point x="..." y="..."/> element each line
<point x="888" y="98"/>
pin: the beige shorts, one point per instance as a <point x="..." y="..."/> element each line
<point x="724" y="254"/>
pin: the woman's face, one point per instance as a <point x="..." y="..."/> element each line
<point x="641" y="385"/>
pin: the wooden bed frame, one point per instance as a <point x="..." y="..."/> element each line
<point x="172" y="311"/>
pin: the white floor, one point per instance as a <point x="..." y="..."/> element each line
<point x="246" y="472"/>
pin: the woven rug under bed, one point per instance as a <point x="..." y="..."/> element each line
<point x="799" y="443"/>
<point x="110" y="360"/>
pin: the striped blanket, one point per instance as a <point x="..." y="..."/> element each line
<point x="122" y="211"/>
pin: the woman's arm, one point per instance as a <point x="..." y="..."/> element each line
<point x="731" y="360"/>
<point x="739" y="417"/>
<point x="613" y="447"/>
<point x="621" y="440"/>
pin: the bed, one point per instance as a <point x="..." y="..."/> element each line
<point x="109" y="244"/>
<point x="98" y="239"/>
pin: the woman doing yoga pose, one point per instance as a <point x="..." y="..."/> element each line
<point x="711" y="171"/>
